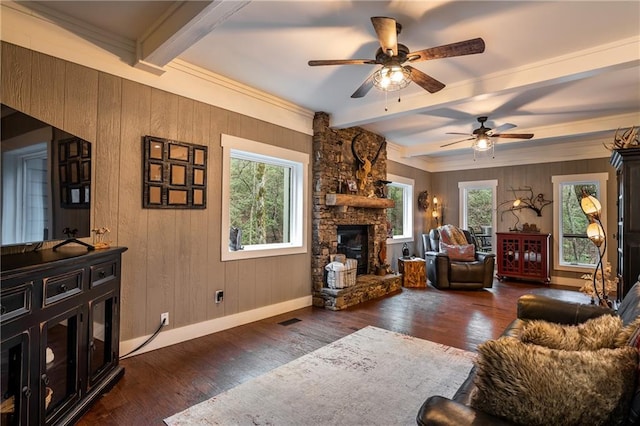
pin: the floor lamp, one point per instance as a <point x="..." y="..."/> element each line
<point x="595" y="232"/>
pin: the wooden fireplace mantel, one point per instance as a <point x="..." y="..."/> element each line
<point x="348" y="200"/>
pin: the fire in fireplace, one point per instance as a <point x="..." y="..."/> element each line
<point x="353" y="241"/>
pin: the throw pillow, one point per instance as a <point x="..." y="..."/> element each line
<point x="595" y="333"/>
<point x="464" y="252"/>
<point x="452" y="235"/>
<point x="535" y="385"/>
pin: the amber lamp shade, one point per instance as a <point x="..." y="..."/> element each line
<point x="595" y="233"/>
<point x="591" y="206"/>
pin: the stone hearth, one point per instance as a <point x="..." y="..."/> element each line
<point x="334" y="205"/>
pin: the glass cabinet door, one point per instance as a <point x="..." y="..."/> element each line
<point x="59" y="388"/>
<point x="101" y="351"/>
<point x="14" y="376"/>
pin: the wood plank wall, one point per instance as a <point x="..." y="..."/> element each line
<point x="173" y="262"/>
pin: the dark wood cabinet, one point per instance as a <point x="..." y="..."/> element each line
<point x="523" y="255"/>
<point x="627" y="165"/>
<point x="59" y="320"/>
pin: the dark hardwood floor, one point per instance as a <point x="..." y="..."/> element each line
<point x="160" y="383"/>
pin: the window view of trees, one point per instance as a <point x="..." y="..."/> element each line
<point x="259" y="201"/>
<point x="396" y="214"/>
<point x="576" y="247"/>
<point x="479" y="208"/>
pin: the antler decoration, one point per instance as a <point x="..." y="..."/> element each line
<point x="535" y="203"/>
<point x="364" y="165"/>
<point x="628" y="139"/>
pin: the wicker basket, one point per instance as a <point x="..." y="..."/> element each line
<point x="341" y="275"/>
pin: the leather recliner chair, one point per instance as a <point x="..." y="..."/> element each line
<point x="444" y="273"/>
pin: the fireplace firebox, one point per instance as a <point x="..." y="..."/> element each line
<point x="353" y="241"/>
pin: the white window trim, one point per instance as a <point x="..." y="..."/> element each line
<point x="407" y="209"/>
<point x="463" y="187"/>
<point x="602" y="179"/>
<point x="299" y="161"/>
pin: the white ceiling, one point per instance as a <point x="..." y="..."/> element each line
<point x="561" y="70"/>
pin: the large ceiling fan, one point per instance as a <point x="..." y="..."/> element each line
<point x="394" y="75"/>
<point x="481" y="136"/>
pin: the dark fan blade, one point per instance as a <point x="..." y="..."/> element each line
<point x="342" y="62"/>
<point x="453" y="143"/>
<point x="387" y="33"/>
<point x="501" y="128"/>
<point x="428" y="83"/>
<point x="467" y="47"/>
<point x="514" y="135"/>
<point x="364" y="88"/>
<point x="457" y="133"/>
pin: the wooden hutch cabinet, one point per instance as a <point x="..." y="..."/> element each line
<point x="59" y="320"/>
<point x="627" y="164"/>
<point x="523" y="255"/>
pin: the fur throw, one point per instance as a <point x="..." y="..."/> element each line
<point x="535" y="385"/>
<point x="625" y="335"/>
<point x="595" y="333"/>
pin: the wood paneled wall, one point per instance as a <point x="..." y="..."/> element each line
<point x="173" y="262"/>
<point x="538" y="177"/>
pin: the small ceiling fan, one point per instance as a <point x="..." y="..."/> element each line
<point x="394" y="75"/>
<point x="482" y="135"/>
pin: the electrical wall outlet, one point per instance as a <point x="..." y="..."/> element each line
<point x="164" y="319"/>
<point x="219" y="296"/>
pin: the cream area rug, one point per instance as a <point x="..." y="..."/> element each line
<point x="372" y="377"/>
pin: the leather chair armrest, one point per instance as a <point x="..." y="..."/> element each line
<point x="441" y="411"/>
<point x="437" y="269"/>
<point x="435" y="253"/>
<point x="537" y="307"/>
<point x="483" y="256"/>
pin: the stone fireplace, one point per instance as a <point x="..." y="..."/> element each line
<point x="336" y="207"/>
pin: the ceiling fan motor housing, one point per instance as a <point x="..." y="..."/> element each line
<point x="384" y="59"/>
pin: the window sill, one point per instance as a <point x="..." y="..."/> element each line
<point x="258" y="253"/>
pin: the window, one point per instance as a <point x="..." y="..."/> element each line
<point x="264" y="199"/>
<point x="477" y="210"/>
<point x="573" y="251"/>
<point x="400" y="217"/>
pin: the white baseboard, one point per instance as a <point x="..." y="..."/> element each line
<point x="182" y="334"/>
<point x="566" y="281"/>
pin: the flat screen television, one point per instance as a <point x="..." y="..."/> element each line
<point x="45" y="182"/>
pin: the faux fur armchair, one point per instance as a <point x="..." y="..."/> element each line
<point x="467" y="270"/>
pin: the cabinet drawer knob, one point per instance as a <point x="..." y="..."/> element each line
<point x="45" y="379"/>
<point x="63" y="288"/>
<point x="26" y="392"/>
<point x="102" y="274"/>
<point x="3" y="310"/>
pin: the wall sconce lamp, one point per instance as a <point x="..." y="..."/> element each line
<point x="595" y="232"/>
<point x="437" y="211"/>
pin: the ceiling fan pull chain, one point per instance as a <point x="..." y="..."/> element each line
<point x="386" y="98"/>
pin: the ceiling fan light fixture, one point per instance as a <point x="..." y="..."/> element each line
<point x="391" y="78"/>
<point x="483" y="143"/>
